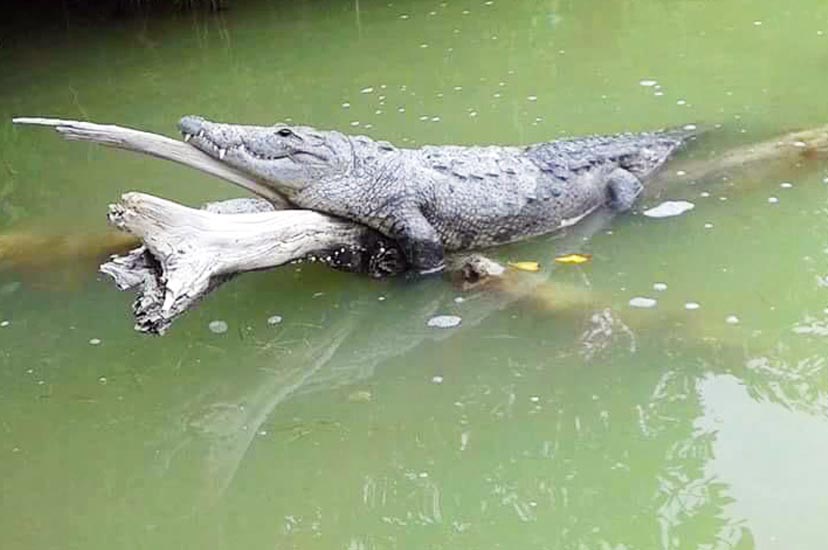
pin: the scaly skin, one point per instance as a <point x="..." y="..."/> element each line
<point x="441" y="198"/>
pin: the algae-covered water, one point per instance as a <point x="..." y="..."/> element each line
<point x="555" y="416"/>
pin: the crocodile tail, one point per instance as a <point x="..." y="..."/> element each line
<point x="658" y="147"/>
<point x="685" y="133"/>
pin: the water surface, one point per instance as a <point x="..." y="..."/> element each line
<point x="554" y="417"/>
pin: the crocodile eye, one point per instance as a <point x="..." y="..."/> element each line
<point x="285" y="132"/>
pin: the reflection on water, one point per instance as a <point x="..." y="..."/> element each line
<point x="554" y="416"/>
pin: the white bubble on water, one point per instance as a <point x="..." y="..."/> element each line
<point x="647" y="83"/>
<point x="689" y="127"/>
<point x="424" y="45"/>
<point x="404" y="16"/>
<point x="691" y="306"/>
<point x="785" y="185"/>
<point x="773" y="200"/>
<point x="474" y="114"/>
<point x="661" y="287"/>
<point x="704" y="194"/>
<point x="355" y="123"/>
<point x="708" y="226"/>
<point x="274" y="320"/>
<point x="4" y="324"/>
<point x="669" y="209"/>
<point x="732" y="320"/>
<point x="681" y="102"/>
<point x="444" y="321"/>
<point x="532" y="98"/>
<point x="757" y="23"/>
<point x="95" y="341"/>
<point x="217" y="327"/>
<point x="435" y="119"/>
<point x="437" y="379"/>
<point x="658" y="93"/>
<point x="367" y="90"/>
<point x="346" y="105"/>
<point x="643" y="302"/>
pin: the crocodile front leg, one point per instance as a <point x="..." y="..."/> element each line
<point x="419" y="242"/>
<point x="623" y="189"/>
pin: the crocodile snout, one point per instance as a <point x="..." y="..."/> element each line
<point x="191" y="125"/>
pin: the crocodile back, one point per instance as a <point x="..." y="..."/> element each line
<point x="641" y="153"/>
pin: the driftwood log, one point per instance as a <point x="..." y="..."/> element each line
<point x="187" y="253"/>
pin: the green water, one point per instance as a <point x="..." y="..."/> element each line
<point x="352" y="424"/>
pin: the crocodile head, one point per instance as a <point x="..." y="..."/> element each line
<point x="284" y="157"/>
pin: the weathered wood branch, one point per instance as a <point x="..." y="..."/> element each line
<point x="154" y="145"/>
<point x="188" y="253"/>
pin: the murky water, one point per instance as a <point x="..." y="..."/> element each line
<point x="555" y="416"/>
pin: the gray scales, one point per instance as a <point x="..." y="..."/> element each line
<point x="441" y="198"/>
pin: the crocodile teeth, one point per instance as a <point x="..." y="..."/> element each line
<point x="221" y="153"/>
<point x="188" y="137"/>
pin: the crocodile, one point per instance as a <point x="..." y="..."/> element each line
<point x="437" y="199"/>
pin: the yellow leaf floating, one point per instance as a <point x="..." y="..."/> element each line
<point x="532" y="267"/>
<point x="574" y="259"/>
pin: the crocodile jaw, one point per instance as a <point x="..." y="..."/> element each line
<point x="256" y="150"/>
